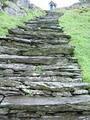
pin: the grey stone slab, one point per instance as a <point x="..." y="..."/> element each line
<point x="27" y="59"/>
<point x="18" y="67"/>
<point x="56" y="86"/>
<point x="27" y="28"/>
<point x="11" y="41"/>
<point x="41" y="50"/>
<point x="49" y="105"/>
<point x="40" y="35"/>
<point x="67" y="117"/>
<point x="43" y="79"/>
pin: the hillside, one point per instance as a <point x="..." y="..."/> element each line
<point x="76" y="22"/>
<point x="16" y="7"/>
<point x="82" y="3"/>
<point x="13" y="13"/>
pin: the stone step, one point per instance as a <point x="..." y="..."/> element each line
<point x="11" y="87"/>
<point x="47" y="17"/>
<point x="38" y="60"/>
<point x="24" y="67"/>
<point x="48" y="50"/>
<point x="46" y="105"/>
<point x="64" y="116"/>
<point x="10" y="72"/>
<point x="26" y="91"/>
<point x="28" y="60"/>
<point x="37" y="116"/>
<point x="47" y="29"/>
<point x="37" y="26"/>
<point x="38" y="51"/>
<point x="51" y="26"/>
<point x="39" y="23"/>
<point x="39" y="33"/>
<point x="30" y="42"/>
<point x="40" y="78"/>
<point x="26" y="29"/>
<point x="54" y="13"/>
<point x="55" y="86"/>
<point x="21" y="70"/>
<point x="43" y="21"/>
<point x="45" y="93"/>
<point x="39" y="36"/>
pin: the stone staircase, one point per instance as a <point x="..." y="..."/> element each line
<point x="40" y="78"/>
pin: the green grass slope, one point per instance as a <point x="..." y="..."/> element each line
<point x="7" y="21"/>
<point x="77" y="23"/>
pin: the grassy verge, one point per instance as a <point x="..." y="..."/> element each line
<point x="7" y="21"/>
<point x="77" y="23"/>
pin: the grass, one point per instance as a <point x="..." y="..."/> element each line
<point x="76" y="23"/>
<point x="7" y="21"/>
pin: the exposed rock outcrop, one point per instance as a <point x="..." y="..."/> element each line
<point x="16" y="7"/>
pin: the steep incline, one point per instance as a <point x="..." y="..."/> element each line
<point x="39" y="77"/>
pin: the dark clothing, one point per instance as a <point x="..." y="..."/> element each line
<point x="52" y="5"/>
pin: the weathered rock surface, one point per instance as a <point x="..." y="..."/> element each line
<point x="40" y="78"/>
<point x="13" y="9"/>
<point x="16" y="7"/>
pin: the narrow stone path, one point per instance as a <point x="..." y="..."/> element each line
<point x="40" y="78"/>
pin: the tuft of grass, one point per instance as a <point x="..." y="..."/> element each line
<point x="8" y="22"/>
<point x="76" y="22"/>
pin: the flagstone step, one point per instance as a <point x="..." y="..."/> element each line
<point x="43" y="21"/>
<point x="10" y="72"/>
<point x="45" y="60"/>
<point x="23" y="67"/>
<point x="28" y="60"/>
<point x="52" y="27"/>
<point x="43" y="79"/>
<point x="36" y="36"/>
<point x="65" y="116"/>
<point x="26" y="29"/>
<point x="37" y="116"/>
<point x="55" y="86"/>
<point x="38" y="50"/>
<point x="39" y="34"/>
<point x="47" y="50"/>
<point x="11" y="41"/>
<point x="47" y="29"/>
<point x="13" y="88"/>
<point x="47" y="105"/>
<point x="22" y="70"/>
